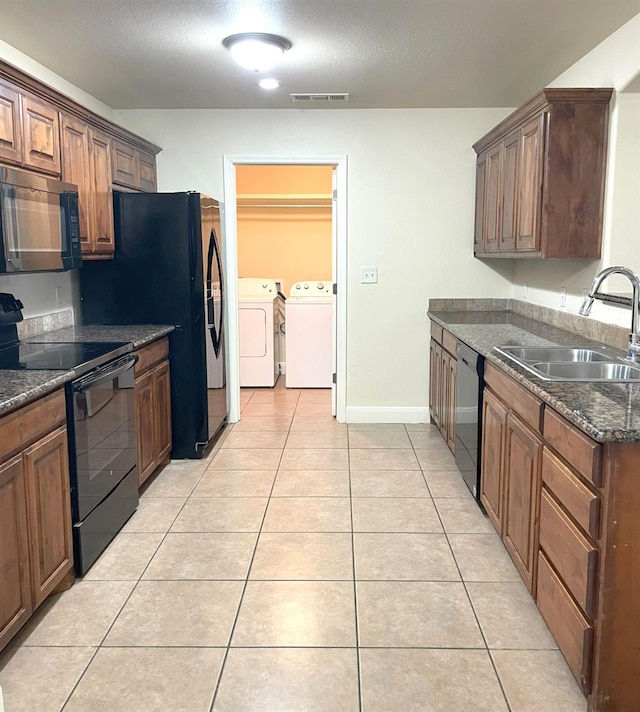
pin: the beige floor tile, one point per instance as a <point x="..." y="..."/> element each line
<point x="376" y="427"/>
<point x="235" y="483"/>
<point x="177" y="613"/>
<point x="313" y="409"/>
<point x="388" y="483"/>
<point x="315" y="439"/>
<point x="308" y="514"/>
<point x="269" y="396"/>
<point x="315" y="459"/>
<point x="430" y="681"/>
<point x="316" y="422"/>
<point x="311" y="483"/>
<point x="148" y="680"/>
<point x="261" y="423"/>
<point x="221" y="514"/>
<point x="202" y="556"/>
<point x="421" y="428"/>
<point x="436" y="458"/>
<point x="395" y="514"/>
<point x="482" y="557"/>
<point x="410" y="557"/>
<point x="126" y="557"/>
<point x="425" y="439"/>
<point x="382" y="459"/>
<point x="463" y="516"/>
<point x="269" y="410"/>
<point x="80" y="616"/>
<point x="313" y="680"/>
<point x="535" y="680"/>
<point x="267" y="439"/>
<point x="508" y="616"/>
<point x="446" y="484"/>
<point x="174" y="482"/>
<point x="315" y="395"/>
<point x="379" y="438"/>
<point x="154" y="514"/>
<point x="296" y="613"/>
<point x="247" y="459"/>
<point x="316" y="556"/>
<point x="41" y="679"/>
<point x="416" y="615"/>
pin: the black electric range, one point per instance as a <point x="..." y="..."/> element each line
<point x="80" y="357"/>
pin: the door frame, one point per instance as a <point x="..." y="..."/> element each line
<point x="229" y="163"/>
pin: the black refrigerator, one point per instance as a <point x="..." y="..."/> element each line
<point x="167" y="269"/>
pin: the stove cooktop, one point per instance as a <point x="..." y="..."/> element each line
<point x="50" y="356"/>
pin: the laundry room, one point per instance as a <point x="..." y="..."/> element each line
<point x="285" y="248"/>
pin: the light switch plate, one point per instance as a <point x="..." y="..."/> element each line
<point x="369" y="275"/>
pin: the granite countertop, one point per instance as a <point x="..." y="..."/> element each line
<point x="17" y="388"/>
<point x="606" y="412"/>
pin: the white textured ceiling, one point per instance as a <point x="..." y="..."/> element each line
<point x="386" y="53"/>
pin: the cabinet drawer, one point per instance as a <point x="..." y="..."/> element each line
<point x="581" y="503"/>
<point x="436" y="332"/>
<point x="149" y="355"/>
<point x="569" y="627"/>
<point x="449" y="342"/>
<point x="573" y="556"/>
<point x="519" y="399"/>
<point x="579" y="450"/>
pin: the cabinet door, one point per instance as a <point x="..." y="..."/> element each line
<point x="436" y="381"/>
<point x="162" y="393"/>
<point x="530" y="185"/>
<point x="125" y="164"/>
<point x="75" y="169"/>
<point x="478" y="231"/>
<point x="10" y="125"/>
<point x="15" y="587"/>
<point x="452" y="371"/>
<point x="494" y="416"/>
<point x="445" y="395"/>
<point x="508" y="212"/>
<point x="147" y="166"/>
<point x="493" y="199"/>
<point x="41" y="133"/>
<point x="47" y="470"/>
<point x="522" y="459"/>
<point x="145" y="425"/>
<point x="100" y="164"/>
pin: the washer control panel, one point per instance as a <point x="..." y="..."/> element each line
<point x="311" y="288"/>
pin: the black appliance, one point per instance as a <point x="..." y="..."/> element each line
<point x="39" y="223"/>
<point x="168" y="270"/>
<point x="469" y="385"/>
<point x="100" y="427"/>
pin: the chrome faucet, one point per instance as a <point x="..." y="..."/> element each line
<point x="633" y="351"/>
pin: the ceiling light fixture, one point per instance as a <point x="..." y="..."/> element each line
<point x="269" y="84"/>
<point x="256" y="50"/>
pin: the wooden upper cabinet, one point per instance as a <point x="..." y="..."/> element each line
<point x="147" y="174"/>
<point x="75" y="169"/>
<point x="41" y="133"/>
<point x="100" y="169"/>
<point x="541" y="191"/>
<point x="125" y="166"/>
<point x="10" y="125"/>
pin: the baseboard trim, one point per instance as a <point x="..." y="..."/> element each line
<point x="381" y="414"/>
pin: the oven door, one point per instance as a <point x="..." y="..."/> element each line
<point x="103" y="444"/>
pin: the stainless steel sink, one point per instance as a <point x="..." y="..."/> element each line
<point x="556" y="354"/>
<point x="567" y="363"/>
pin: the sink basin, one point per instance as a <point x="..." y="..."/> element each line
<point x="595" y="371"/>
<point x="556" y="354"/>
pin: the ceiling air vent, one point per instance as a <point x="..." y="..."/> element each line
<point x="319" y="97"/>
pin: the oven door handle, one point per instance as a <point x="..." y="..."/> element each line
<point x="104" y="374"/>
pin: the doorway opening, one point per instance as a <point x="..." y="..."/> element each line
<point x="267" y="201"/>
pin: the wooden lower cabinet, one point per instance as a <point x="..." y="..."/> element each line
<point x="153" y="408"/>
<point x="442" y="384"/>
<point x="494" y="418"/>
<point x="36" y="554"/>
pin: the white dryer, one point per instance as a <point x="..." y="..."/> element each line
<point x="309" y="338"/>
<point x="257" y="304"/>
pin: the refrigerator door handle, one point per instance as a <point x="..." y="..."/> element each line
<point x="215" y="330"/>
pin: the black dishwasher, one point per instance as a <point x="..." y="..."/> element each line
<point x="469" y="385"/>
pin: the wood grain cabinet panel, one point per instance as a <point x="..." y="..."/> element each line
<point x="102" y="227"/>
<point x="76" y="170"/>
<point x="10" y="125"/>
<point x="494" y="418"/>
<point x="125" y="164"/>
<point x="442" y="383"/>
<point x="529" y="185"/>
<point x="147" y="171"/>
<point x="509" y="192"/>
<point x="145" y="425"/>
<point x="41" y="134"/>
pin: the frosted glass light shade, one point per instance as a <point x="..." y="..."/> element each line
<point x="256" y="50"/>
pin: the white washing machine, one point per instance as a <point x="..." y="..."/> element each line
<point x="309" y="338"/>
<point x="257" y="305"/>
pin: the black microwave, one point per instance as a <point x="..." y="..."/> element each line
<point x="39" y="223"/>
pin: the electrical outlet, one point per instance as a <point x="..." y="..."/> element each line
<point x="563" y="297"/>
<point x="369" y="275"/>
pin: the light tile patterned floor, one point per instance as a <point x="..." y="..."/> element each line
<point x="303" y="565"/>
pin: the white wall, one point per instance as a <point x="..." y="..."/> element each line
<point x="615" y="62"/>
<point x="38" y="291"/>
<point x="410" y="212"/>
